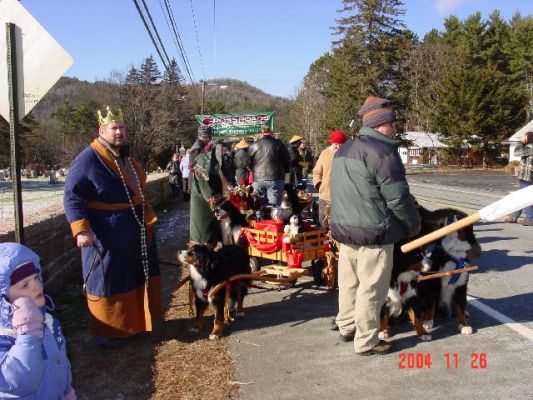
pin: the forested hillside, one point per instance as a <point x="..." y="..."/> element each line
<point x="64" y="121"/>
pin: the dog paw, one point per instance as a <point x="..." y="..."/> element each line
<point x="383" y="335"/>
<point x="428" y="324"/>
<point x="425" y="338"/>
<point x="213" y="337"/>
<point x="466" y="330"/>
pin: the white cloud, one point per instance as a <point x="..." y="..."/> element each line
<point x="445" y="6"/>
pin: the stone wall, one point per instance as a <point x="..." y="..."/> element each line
<point x="52" y="240"/>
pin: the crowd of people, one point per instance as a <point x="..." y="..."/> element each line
<point x="364" y="200"/>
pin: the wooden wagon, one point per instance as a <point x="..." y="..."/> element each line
<point x="288" y="258"/>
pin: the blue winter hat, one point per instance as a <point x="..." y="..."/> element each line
<point x="12" y="256"/>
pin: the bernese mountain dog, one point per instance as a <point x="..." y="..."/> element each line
<point x="231" y="222"/>
<point x="208" y="268"/>
<point x="422" y="299"/>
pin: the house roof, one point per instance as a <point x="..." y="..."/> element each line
<point x="424" y="139"/>
<point x="518" y="135"/>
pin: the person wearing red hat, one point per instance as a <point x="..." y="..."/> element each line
<point x="322" y="173"/>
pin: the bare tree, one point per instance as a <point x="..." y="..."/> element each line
<point x="308" y="111"/>
<point x="428" y="65"/>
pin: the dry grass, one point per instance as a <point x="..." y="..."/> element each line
<point x="170" y="363"/>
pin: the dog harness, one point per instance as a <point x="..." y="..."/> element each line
<point x="460" y="263"/>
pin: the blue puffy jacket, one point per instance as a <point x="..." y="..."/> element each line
<point x="30" y="367"/>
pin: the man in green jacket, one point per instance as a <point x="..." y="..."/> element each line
<point x="371" y="209"/>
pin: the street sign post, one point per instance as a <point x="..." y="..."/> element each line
<point x="34" y="62"/>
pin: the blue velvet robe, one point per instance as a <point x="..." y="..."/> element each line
<point x="95" y="199"/>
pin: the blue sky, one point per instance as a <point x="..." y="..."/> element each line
<point x="267" y="43"/>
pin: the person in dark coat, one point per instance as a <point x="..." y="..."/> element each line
<point x="174" y="175"/>
<point x="268" y="161"/>
<point x="295" y="161"/>
<point x="241" y="158"/>
<point x="228" y="165"/>
<point x="308" y="159"/>
<point x="208" y="189"/>
<point x="371" y="209"/>
<point x="205" y="135"/>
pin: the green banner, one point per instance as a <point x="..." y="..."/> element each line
<point x="227" y="125"/>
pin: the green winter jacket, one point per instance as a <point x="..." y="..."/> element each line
<point x="370" y="199"/>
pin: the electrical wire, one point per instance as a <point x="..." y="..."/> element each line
<point x="181" y="48"/>
<point x="197" y="40"/>
<point x="150" y="34"/>
<point x="156" y="33"/>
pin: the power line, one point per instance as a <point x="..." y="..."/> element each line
<point x="197" y="39"/>
<point x="181" y="47"/>
<point x="155" y="30"/>
<point x="151" y="35"/>
<point x="170" y="29"/>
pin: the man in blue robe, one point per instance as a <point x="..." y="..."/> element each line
<point x="113" y="225"/>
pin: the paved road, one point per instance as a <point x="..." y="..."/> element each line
<point x="284" y="350"/>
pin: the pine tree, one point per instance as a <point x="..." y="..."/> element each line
<point x="367" y="59"/>
<point x="479" y="102"/>
<point x="496" y="39"/>
<point x="520" y="53"/>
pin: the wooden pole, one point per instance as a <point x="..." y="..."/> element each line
<point x="14" y="129"/>
<point x="439" y="233"/>
<point x="447" y="273"/>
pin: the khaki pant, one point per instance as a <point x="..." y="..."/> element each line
<point x="364" y="278"/>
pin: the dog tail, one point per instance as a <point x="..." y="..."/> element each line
<point x="394" y="303"/>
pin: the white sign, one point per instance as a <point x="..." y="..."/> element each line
<point x="41" y="61"/>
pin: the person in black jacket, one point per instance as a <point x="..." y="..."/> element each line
<point x="241" y="162"/>
<point x="268" y="161"/>
<point x="371" y="209"/>
<point x="295" y="161"/>
<point x="174" y="175"/>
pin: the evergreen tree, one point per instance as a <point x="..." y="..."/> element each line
<point x="453" y="31"/>
<point x="367" y="59"/>
<point x="497" y="37"/>
<point x="520" y="53"/>
<point x="475" y="39"/>
<point x="149" y="72"/>
<point x="481" y="104"/>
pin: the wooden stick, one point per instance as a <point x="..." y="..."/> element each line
<point x="439" y="233"/>
<point x="183" y="282"/>
<point x="255" y="276"/>
<point x="447" y="273"/>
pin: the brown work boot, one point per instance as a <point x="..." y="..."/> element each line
<point x="348" y="337"/>
<point x="510" y="219"/>
<point x="381" y="348"/>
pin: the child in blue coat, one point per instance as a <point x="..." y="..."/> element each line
<point x="33" y="357"/>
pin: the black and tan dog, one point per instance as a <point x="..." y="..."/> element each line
<point x="231" y="221"/>
<point x="208" y="268"/>
<point x="421" y="300"/>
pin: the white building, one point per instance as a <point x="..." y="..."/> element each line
<point x="420" y="142"/>
<point x="516" y="138"/>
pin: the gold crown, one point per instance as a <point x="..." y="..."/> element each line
<point x="110" y="117"/>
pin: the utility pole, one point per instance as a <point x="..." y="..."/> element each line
<point x="205" y="93"/>
<point x="14" y="129"/>
<point x="202" y="104"/>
